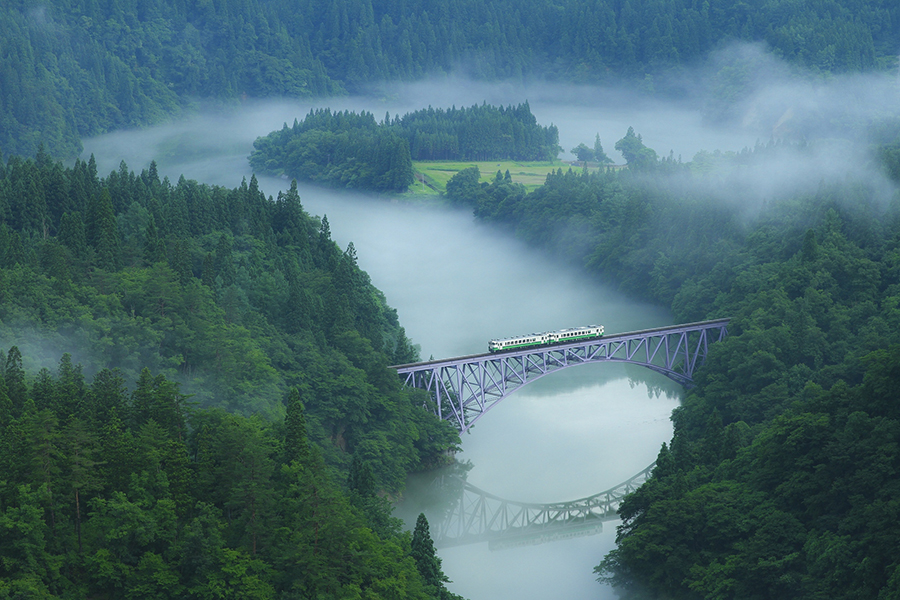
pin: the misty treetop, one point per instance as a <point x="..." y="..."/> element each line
<point x="234" y="295"/>
<point x="74" y="68"/>
<point x="479" y="132"/>
<point x="345" y="149"/>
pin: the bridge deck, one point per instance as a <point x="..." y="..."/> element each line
<point x="612" y="336"/>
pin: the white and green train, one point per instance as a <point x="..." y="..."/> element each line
<point x="548" y="337"/>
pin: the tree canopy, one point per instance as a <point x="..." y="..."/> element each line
<point x="74" y="68"/>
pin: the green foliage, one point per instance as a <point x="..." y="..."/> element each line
<point x="279" y="307"/>
<point x="209" y="510"/>
<point x="638" y="156"/>
<point x="582" y="153"/>
<point x="427" y="561"/>
<point x="599" y="154"/>
<point x="478" y="133"/>
<point x="465" y="187"/>
<point x="296" y="444"/>
<point x="352" y="150"/>
<point x="341" y="149"/>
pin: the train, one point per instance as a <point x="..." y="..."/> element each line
<point x="546" y="338"/>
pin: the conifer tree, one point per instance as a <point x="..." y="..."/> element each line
<point x="208" y="275"/>
<point x="80" y="445"/>
<point x="103" y="233"/>
<point x="361" y="480"/>
<point x="224" y="263"/>
<point x="43" y="390"/>
<point x="29" y="207"/>
<point x="599" y="155"/>
<point x="427" y="561"/>
<point x="180" y="261"/>
<point x="142" y="399"/>
<point x="296" y="313"/>
<point x="4" y="242"/>
<point x="107" y="395"/>
<point x="179" y="474"/>
<point x="154" y="249"/>
<point x="70" y="391"/>
<point x="14" y="375"/>
<point x="15" y="252"/>
<point x="71" y="234"/>
<point x="296" y="442"/>
<point x="6" y="406"/>
<point x="326" y="252"/>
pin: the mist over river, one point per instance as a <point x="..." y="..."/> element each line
<point x="457" y="283"/>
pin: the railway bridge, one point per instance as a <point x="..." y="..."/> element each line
<point x="463" y="389"/>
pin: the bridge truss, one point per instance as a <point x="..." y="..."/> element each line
<point x="463" y="389"/>
<point x="477" y="516"/>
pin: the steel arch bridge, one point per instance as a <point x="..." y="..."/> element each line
<point x="463" y="389"/>
<point x="477" y="516"/>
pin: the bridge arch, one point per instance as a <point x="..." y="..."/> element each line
<point x="464" y="389"/>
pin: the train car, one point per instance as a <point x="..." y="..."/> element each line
<point x="522" y="341"/>
<point x="548" y="337"/>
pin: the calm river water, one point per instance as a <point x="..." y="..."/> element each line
<point x="456" y="284"/>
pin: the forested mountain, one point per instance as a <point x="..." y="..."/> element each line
<point x="74" y="68"/>
<point x="200" y="300"/>
<point x="346" y="149"/>
<point x="781" y="480"/>
<point x="233" y="294"/>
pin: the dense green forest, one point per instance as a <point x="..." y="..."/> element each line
<point x="341" y="149"/>
<point x="345" y="149"/>
<point x="482" y="132"/>
<point x="230" y="293"/>
<point x="73" y="68"/>
<point x="781" y="480"/>
<point x="106" y="494"/>
<point x="210" y="305"/>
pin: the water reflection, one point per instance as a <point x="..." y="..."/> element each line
<point x="461" y="514"/>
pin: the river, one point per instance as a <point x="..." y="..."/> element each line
<point x="457" y="283"/>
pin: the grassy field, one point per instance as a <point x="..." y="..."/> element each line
<point x="437" y="173"/>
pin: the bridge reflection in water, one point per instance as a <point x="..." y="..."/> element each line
<point x="474" y="516"/>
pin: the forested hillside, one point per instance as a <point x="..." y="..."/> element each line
<point x="73" y="68"/>
<point x="201" y="300"/>
<point x="235" y="295"/>
<point x="782" y="477"/>
<point x="107" y="494"/>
